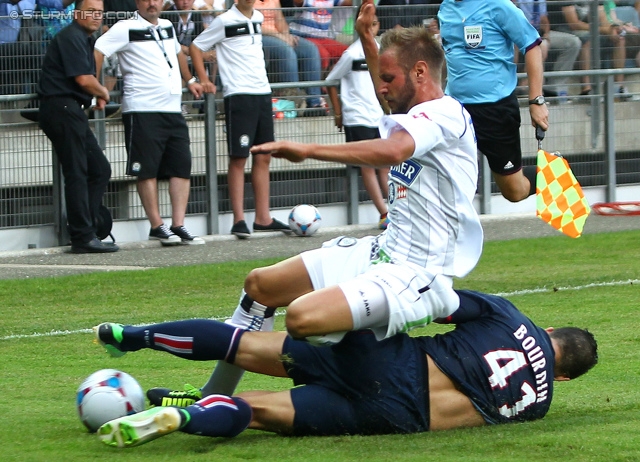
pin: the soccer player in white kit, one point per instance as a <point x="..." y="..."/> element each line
<point x="402" y="278"/>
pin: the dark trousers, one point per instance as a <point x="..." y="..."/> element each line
<point x="85" y="168"/>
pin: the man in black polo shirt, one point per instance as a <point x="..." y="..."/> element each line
<point x="67" y="84"/>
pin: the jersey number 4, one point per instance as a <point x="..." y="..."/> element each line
<point x="503" y="364"/>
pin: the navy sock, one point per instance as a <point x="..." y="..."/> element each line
<point x="218" y="415"/>
<point x="195" y="339"/>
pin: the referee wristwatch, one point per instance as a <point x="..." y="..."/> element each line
<point x="192" y="80"/>
<point x="539" y="100"/>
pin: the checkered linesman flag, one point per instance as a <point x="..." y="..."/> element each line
<point x="559" y="197"/>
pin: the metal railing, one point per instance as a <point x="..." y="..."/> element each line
<point x="597" y="134"/>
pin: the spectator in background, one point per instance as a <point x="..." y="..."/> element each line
<point x="53" y="23"/>
<point x="188" y="24"/>
<point x="291" y="58"/>
<point x="566" y="18"/>
<point x="405" y="13"/>
<point x="156" y="134"/>
<point x="114" y="11"/>
<point x="14" y="54"/>
<point x="564" y="47"/>
<point x="358" y="111"/>
<point x="314" y="24"/>
<point x="574" y="18"/>
<point x="236" y="34"/>
<point x="67" y="83"/>
<point x="207" y="8"/>
<point x="627" y="29"/>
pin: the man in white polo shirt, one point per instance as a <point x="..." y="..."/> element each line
<point x="237" y="36"/>
<point x="156" y="134"/>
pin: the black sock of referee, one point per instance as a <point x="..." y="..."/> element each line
<point x="530" y="172"/>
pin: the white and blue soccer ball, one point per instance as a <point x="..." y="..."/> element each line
<point x="106" y="395"/>
<point x="304" y="220"/>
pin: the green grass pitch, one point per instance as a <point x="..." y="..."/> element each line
<point x="46" y="350"/>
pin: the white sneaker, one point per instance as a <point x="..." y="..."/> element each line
<point x="136" y="429"/>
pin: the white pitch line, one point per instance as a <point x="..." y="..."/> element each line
<point x="77" y="267"/>
<point x="539" y="290"/>
<point x="557" y="289"/>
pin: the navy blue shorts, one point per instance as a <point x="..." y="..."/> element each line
<point x="358" y="386"/>
<point x="497" y="128"/>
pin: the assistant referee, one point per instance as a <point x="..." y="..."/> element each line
<point x="67" y="84"/>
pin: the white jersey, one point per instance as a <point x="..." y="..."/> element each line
<point x="360" y="105"/>
<point x="433" y="223"/>
<point x="148" y="57"/>
<point x="238" y="42"/>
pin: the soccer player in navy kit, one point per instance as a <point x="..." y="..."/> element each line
<point x="495" y="367"/>
<point x="478" y="38"/>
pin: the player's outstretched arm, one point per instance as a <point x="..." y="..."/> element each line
<point x="375" y="153"/>
<point x="294" y="152"/>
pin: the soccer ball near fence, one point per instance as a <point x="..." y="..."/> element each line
<point x="106" y="395"/>
<point x="304" y="220"/>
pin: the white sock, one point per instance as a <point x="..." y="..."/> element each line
<point x="249" y="315"/>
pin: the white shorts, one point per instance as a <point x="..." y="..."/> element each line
<point x="412" y="296"/>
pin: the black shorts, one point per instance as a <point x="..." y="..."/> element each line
<point x="157" y="144"/>
<point x="360" y="132"/>
<point x="249" y="121"/>
<point x="358" y="386"/>
<point x="497" y="127"/>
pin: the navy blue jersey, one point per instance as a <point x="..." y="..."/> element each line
<point x="501" y="360"/>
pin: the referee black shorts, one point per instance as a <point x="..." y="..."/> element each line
<point x="157" y="144"/>
<point x="249" y="121"/>
<point x="497" y="127"/>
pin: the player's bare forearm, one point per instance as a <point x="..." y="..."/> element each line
<point x="374" y="153"/>
<point x="294" y="152"/>
<point x="364" y="27"/>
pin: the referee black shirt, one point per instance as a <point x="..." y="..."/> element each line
<point x="69" y="55"/>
